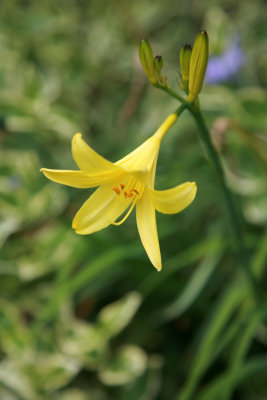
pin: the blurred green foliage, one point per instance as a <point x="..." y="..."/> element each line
<point x="88" y="318"/>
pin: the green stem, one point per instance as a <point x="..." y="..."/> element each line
<point x="213" y="155"/>
<point x="171" y="93"/>
<point x="180" y="109"/>
<point x="234" y="215"/>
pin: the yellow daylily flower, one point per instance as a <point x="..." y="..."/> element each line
<point x="122" y="185"/>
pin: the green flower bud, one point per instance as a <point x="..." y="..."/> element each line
<point x="158" y="63"/>
<point x="147" y="60"/>
<point x="198" y="65"/>
<point x="185" y="56"/>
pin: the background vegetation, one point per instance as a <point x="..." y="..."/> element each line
<point x="89" y="318"/>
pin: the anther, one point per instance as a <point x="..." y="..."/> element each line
<point x="134" y="190"/>
<point x="116" y="189"/>
<point x="125" y="195"/>
<point x="122" y="186"/>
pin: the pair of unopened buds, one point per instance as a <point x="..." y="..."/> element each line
<point x="193" y="64"/>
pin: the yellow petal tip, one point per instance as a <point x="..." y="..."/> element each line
<point x="158" y="267"/>
<point x="74" y="225"/>
<point x="77" y="230"/>
<point x="77" y="136"/>
<point x="44" y="171"/>
<point x="194" y="185"/>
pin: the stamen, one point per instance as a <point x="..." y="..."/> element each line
<point x="134" y="190"/>
<point x="116" y="189"/>
<point x="127" y="214"/>
<point x="131" y="193"/>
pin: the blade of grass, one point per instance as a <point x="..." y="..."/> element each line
<point x="228" y="304"/>
<point x="216" y="391"/>
<point x="183" y="259"/>
<point x="192" y="290"/>
<point x="220" y="316"/>
<point x="243" y="343"/>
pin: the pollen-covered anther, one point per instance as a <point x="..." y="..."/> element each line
<point x="116" y="190"/>
<point x="134" y="190"/>
<point x="122" y="186"/>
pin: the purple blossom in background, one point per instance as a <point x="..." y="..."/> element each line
<point x="222" y="68"/>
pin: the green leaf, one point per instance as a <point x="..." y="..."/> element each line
<point x="192" y="290"/>
<point x="129" y="363"/>
<point x="116" y="316"/>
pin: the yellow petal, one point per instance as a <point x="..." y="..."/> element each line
<point x="99" y="211"/>
<point x="145" y="155"/>
<point x="79" y="179"/>
<point x="174" y="200"/>
<point x="147" y="227"/>
<point x="142" y="158"/>
<point x="88" y="160"/>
